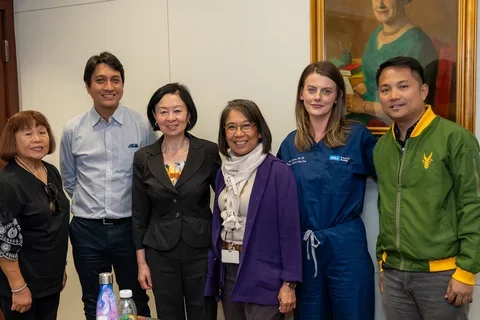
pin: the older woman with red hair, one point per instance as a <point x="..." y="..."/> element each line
<point x="34" y="215"/>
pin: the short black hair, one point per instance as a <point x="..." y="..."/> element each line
<point x="104" y="57"/>
<point x="173" y="88"/>
<point x="251" y="111"/>
<point x="403" y="62"/>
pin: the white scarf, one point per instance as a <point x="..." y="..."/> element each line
<point x="236" y="172"/>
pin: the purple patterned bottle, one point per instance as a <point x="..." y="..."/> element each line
<point x="107" y="302"/>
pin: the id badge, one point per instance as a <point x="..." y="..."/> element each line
<point x="230" y="256"/>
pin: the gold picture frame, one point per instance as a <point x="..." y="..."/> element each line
<point x="461" y="102"/>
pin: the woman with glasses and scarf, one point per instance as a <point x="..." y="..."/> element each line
<point x="34" y="214"/>
<point x="255" y="262"/>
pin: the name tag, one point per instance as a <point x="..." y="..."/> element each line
<point x="230" y="256"/>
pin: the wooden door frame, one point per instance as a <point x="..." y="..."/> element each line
<point x="13" y="104"/>
<point x="11" y="78"/>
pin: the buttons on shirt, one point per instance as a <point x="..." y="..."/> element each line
<point x="175" y="200"/>
<point x="177" y="215"/>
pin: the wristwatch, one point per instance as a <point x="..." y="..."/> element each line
<point x="291" y="285"/>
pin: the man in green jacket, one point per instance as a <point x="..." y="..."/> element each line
<point x="429" y="202"/>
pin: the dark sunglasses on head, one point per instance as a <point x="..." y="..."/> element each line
<point x="52" y="195"/>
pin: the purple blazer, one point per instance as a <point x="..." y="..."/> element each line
<point x="271" y="251"/>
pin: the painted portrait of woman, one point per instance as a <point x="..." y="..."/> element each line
<point x="359" y="35"/>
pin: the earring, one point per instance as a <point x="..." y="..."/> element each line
<point x="188" y="121"/>
<point x="156" y="124"/>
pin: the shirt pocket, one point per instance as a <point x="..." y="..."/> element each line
<point x="337" y="178"/>
<point x="126" y="161"/>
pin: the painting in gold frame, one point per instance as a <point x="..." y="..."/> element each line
<point x="346" y="31"/>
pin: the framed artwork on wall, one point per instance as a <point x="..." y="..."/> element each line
<point x="358" y="35"/>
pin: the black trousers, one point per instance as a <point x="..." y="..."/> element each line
<point x="44" y="308"/>
<point x="98" y="247"/>
<point x="178" y="280"/>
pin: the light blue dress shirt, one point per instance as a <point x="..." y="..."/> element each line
<point x="96" y="159"/>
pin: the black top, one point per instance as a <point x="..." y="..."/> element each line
<point x="162" y="213"/>
<point x="396" y="130"/>
<point x="27" y="220"/>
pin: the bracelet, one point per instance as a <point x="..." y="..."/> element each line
<point x="18" y="290"/>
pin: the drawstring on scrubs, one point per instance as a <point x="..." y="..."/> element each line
<point x="312" y="244"/>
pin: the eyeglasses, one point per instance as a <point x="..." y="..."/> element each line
<point x="52" y="195"/>
<point x="245" y="127"/>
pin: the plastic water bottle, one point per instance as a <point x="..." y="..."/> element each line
<point x="106" y="302"/>
<point x="126" y="307"/>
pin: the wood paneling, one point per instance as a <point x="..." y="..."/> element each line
<point x="9" y="102"/>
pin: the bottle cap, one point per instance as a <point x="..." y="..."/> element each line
<point x="125" y="294"/>
<point x="105" y="278"/>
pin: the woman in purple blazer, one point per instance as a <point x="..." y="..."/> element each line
<point x="255" y="261"/>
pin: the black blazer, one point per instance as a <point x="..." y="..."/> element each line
<point x="163" y="213"/>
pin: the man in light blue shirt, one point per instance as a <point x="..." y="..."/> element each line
<point x="96" y="156"/>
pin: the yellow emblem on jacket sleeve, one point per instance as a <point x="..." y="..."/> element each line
<point x="427" y="160"/>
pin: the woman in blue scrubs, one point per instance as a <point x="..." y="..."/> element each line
<point x="331" y="159"/>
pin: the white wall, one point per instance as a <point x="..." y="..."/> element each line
<point x="221" y="49"/>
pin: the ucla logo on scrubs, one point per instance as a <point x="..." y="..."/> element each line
<point x="338" y="158"/>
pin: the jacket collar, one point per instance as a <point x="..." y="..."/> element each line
<point x="427" y="118"/>
<point x="195" y="159"/>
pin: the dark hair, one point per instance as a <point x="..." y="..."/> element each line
<point x="104" y="57"/>
<point x="21" y="121"/>
<point x="403" y="62"/>
<point x="173" y="88"/>
<point x="337" y="128"/>
<point x="251" y="111"/>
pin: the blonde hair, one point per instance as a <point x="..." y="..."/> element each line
<point x="337" y="128"/>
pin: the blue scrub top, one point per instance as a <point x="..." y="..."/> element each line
<point x="331" y="182"/>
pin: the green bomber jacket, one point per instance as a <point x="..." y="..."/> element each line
<point x="429" y="199"/>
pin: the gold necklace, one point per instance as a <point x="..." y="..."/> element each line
<point x="26" y="168"/>
<point x="49" y="188"/>
<point x="391" y="33"/>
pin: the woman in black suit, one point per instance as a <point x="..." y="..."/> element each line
<point x="171" y="215"/>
